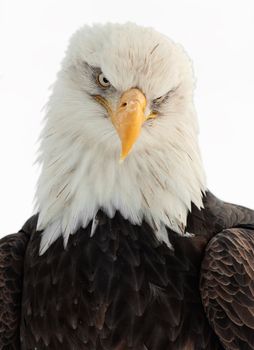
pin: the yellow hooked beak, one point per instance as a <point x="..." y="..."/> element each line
<point x="128" y="117"/>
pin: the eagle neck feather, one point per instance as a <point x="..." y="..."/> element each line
<point x="156" y="183"/>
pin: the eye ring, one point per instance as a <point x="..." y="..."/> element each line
<point x="102" y="81"/>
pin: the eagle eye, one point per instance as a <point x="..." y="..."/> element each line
<point x="164" y="97"/>
<point x="159" y="99"/>
<point x="102" y="81"/>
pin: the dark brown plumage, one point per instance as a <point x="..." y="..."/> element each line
<point x="227" y="287"/>
<point x="12" y="251"/>
<point x="122" y="289"/>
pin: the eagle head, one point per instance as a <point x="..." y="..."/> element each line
<point x="120" y="134"/>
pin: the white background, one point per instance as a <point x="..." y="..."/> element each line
<point x="219" y="37"/>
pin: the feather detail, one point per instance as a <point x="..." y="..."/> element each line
<point x="95" y="223"/>
<point x="49" y="236"/>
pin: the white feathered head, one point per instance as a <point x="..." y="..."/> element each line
<point x="120" y="134"/>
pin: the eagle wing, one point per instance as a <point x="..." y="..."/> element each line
<point x="227" y="287"/>
<point x="12" y="251"/>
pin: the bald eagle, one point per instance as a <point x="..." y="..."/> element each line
<point x="128" y="249"/>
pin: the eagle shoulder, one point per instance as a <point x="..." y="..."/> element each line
<point x="227" y="288"/>
<point x="12" y="251"/>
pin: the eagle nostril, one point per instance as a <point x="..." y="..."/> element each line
<point x="124" y="104"/>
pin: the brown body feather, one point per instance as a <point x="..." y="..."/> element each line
<point x="122" y="289"/>
<point x="12" y="252"/>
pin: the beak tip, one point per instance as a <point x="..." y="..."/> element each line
<point x="123" y="156"/>
<point x="121" y="159"/>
